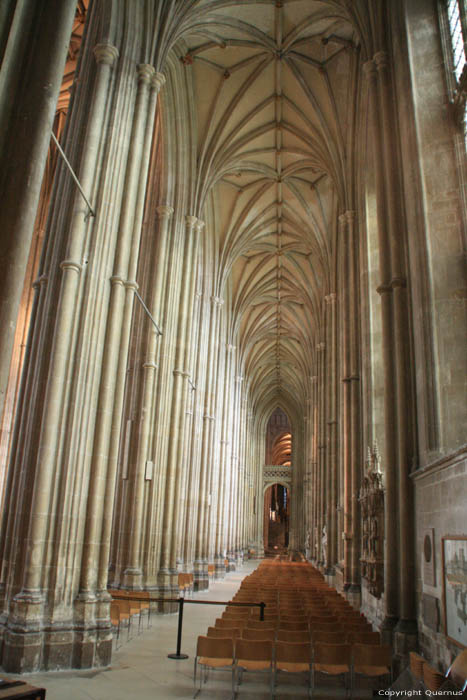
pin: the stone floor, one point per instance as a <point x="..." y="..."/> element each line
<point x="140" y="668"/>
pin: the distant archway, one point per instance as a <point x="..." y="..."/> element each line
<point x="276" y="519"/>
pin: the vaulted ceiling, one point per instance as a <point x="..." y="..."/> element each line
<point x="275" y="90"/>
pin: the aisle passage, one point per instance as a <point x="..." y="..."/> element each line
<point x="141" y="669"/>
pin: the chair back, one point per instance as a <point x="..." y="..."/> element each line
<point x="294" y="636"/>
<point x="229" y="622"/>
<point x="254" y="650"/>
<point x="224" y="632"/>
<point x="372" y="655"/>
<point x="261" y="624"/>
<point x="332" y="654"/>
<point x="297" y="626"/>
<point x="363" y="638"/>
<point x="215" y="648"/>
<point x="293" y="652"/>
<point x="248" y="633"/>
<point x="457" y="672"/>
<point x="327" y="637"/>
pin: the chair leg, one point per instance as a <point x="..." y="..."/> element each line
<point x="196" y="691"/>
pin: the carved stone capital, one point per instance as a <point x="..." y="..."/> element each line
<point x="164" y="211"/>
<point x="131" y="284"/>
<point x="330" y="298"/>
<point x="381" y="59"/>
<point x="106" y="54"/>
<point x="350" y="215"/>
<point x="145" y="73"/>
<point x="200" y="225"/>
<point x="191" y="221"/>
<point x="398" y="281"/>
<point x="369" y="70"/>
<point x="217" y="301"/>
<point x="230" y="348"/>
<point x="384" y="289"/>
<point x="71" y="265"/>
<point x="320" y="347"/>
<point x="158" y="81"/>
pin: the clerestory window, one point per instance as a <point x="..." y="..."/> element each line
<point x="455" y="27"/>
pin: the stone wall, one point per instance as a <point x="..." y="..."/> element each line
<point x="440" y="506"/>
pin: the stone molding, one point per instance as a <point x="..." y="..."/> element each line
<point x="158" y="81"/>
<point x="164" y="211"/>
<point x="106" y="54"/>
<point x="145" y="73"/>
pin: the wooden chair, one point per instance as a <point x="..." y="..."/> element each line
<point x="227" y="623"/>
<point x="261" y="624"/>
<point x="328" y="637"/>
<point x="332" y="660"/>
<point x="224" y="632"/>
<point x="416" y="665"/>
<point x="363" y="638"/>
<point x="293" y="636"/>
<point x="292" y="657"/>
<point x="265" y="634"/>
<point x="115" y="620"/>
<point x="213" y="653"/>
<point x="254" y="656"/>
<point x="296" y="626"/>
<point x="457" y="671"/>
<point x="371" y="661"/>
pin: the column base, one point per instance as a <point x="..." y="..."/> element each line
<point x="200" y="575"/>
<point x="387" y="630"/>
<point x="167" y="587"/>
<point x="219" y="570"/>
<point x="55" y="649"/>
<point x="405" y="637"/>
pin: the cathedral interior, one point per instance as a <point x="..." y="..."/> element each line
<point x="233" y="310"/>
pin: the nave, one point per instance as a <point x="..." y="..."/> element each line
<point x="232" y="310"/>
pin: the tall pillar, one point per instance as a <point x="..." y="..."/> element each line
<point x="332" y="455"/>
<point x="355" y="403"/>
<point x="201" y="547"/>
<point x="400" y="349"/>
<point x="176" y="426"/>
<point x="391" y="595"/>
<point x="30" y="83"/>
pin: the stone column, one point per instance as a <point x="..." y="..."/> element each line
<point x="109" y="412"/>
<point x="400" y="349"/>
<point x="224" y="491"/>
<point x="354" y="378"/>
<point x="201" y="548"/>
<point x="385" y="291"/>
<point x="332" y="432"/>
<point x="168" y="563"/>
<point x="32" y="73"/>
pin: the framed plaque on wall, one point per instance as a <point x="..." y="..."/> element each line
<point x="454" y="553"/>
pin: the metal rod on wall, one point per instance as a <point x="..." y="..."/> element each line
<point x="62" y="153"/>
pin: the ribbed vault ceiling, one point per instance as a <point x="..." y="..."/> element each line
<point x="274" y="97"/>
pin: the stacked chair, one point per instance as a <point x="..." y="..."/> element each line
<point x="124" y="610"/>
<point x="309" y="630"/>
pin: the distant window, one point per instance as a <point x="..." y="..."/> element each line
<point x="456" y="25"/>
<point x="457" y="41"/>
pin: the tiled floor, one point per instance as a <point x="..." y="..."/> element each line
<point x="140" y="669"/>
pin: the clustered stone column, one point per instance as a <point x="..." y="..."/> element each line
<point x="399" y="591"/>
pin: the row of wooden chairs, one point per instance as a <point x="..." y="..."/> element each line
<point x="124" y="609"/>
<point x="185" y="584"/>
<point x="241" y="655"/>
<point x="254" y="629"/>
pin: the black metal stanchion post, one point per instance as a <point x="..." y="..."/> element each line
<point x="178" y="655"/>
